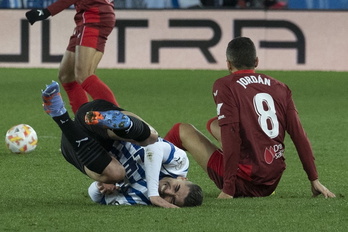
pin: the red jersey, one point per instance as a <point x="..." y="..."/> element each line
<point x="254" y="112"/>
<point x="87" y="11"/>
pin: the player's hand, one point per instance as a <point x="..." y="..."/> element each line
<point x="159" y="201"/>
<point x="106" y="188"/>
<point x="37" y="15"/>
<point x="223" y="195"/>
<point x="318" y="188"/>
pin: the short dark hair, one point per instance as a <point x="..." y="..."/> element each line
<point x="241" y="52"/>
<point x="194" y="197"/>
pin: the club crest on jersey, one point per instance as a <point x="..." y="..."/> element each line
<point x="179" y="163"/>
<point x="273" y="152"/>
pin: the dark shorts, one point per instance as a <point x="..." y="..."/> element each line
<point x="97" y="133"/>
<point x="70" y="154"/>
<point x="244" y="188"/>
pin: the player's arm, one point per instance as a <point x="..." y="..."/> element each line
<point x="94" y="193"/>
<point x="231" y="144"/>
<point x="301" y="142"/>
<point x="35" y="15"/>
<point x="160" y="202"/>
<point x="228" y="114"/>
<point x="154" y="157"/>
<point x="305" y="152"/>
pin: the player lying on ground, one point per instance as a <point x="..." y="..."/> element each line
<point x="165" y="168"/>
<point x="97" y="151"/>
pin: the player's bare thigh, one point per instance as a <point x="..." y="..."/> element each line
<point x="215" y="130"/>
<point x="67" y="67"/>
<point x="197" y="144"/>
<point x="86" y="62"/>
<point x="113" y="173"/>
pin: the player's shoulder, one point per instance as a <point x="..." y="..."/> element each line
<point x="223" y="80"/>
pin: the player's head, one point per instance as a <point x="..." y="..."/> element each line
<point x="181" y="192"/>
<point x="241" y="54"/>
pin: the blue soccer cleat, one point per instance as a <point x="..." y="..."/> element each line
<point x="112" y="119"/>
<point x="52" y="100"/>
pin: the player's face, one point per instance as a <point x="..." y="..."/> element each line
<point x="174" y="190"/>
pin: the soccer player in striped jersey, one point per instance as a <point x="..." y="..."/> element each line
<point x="100" y="142"/>
<point x="157" y="172"/>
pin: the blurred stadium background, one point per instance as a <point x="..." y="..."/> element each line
<point x="273" y="4"/>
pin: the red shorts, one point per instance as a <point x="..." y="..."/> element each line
<point x="93" y="27"/>
<point x="90" y="36"/>
<point x="244" y="188"/>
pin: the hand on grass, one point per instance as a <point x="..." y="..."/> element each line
<point x="159" y="201"/>
<point x="106" y="188"/>
<point x="318" y="188"/>
<point x="223" y="195"/>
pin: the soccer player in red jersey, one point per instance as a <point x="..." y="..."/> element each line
<point x="254" y="112"/>
<point x="94" y="19"/>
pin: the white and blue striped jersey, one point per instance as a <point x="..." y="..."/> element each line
<point x="144" y="166"/>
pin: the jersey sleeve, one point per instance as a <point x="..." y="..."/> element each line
<point x="153" y="162"/>
<point x="228" y="117"/>
<point x="231" y="144"/>
<point x="226" y="107"/>
<point x="301" y="141"/>
<point x="60" y="5"/>
<point x="94" y="193"/>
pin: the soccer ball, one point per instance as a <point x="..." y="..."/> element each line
<point x="21" y="138"/>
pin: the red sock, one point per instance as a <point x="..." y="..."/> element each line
<point x="77" y="96"/>
<point x="98" y="89"/>
<point x="173" y="136"/>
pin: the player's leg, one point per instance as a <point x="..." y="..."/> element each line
<point x="97" y="163"/>
<point x="76" y="94"/>
<point x="186" y="136"/>
<point x="112" y="173"/>
<point x="125" y="127"/>
<point x="214" y="128"/>
<point x="111" y="119"/>
<point x="89" y="51"/>
<point x="86" y="63"/>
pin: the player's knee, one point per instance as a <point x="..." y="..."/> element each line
<point x="80" y="78"/>
<point x="113" y="174"/>
<point x="211" y="123"/>
<point x="185" y="129"/>
<point x="82" y="73"/>
<point x="65" y="77"/>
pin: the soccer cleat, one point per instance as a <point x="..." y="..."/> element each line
<point x="52" y="100"/>
<point x="112" y="119"/>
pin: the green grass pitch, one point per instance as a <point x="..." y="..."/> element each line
<point x="41" y="192"/>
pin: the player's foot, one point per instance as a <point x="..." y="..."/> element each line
<point x="52" y="100"/>
<point x="112" y="119"/>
